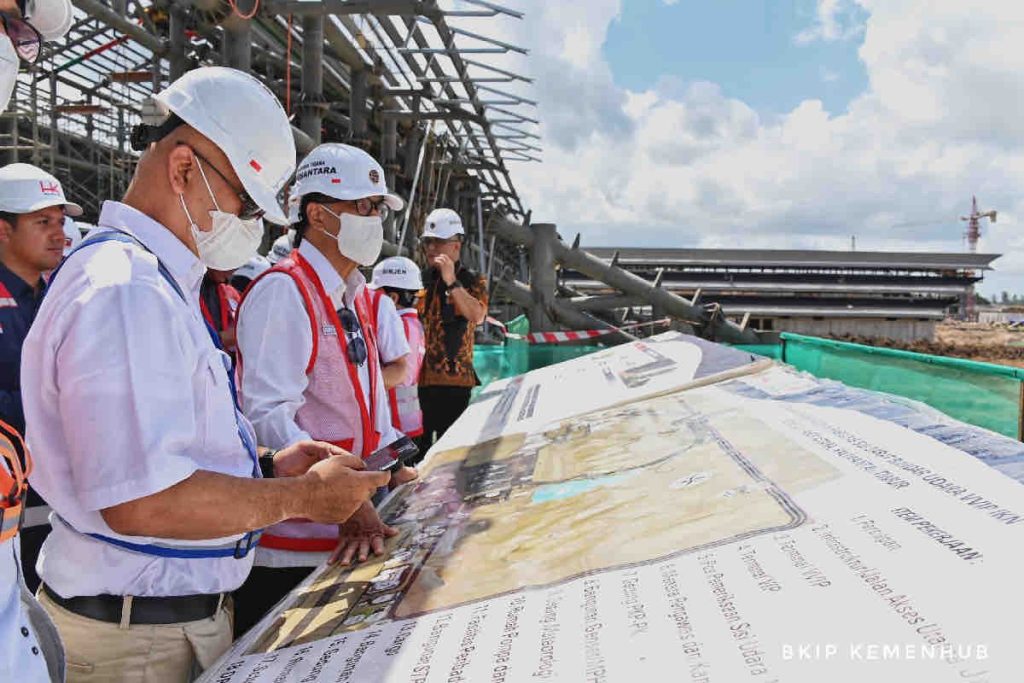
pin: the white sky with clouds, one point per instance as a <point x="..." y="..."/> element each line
<point x="681" y="164"/>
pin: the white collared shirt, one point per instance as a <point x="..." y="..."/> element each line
<point x="275" y="342"/>
<point x="391" y="341"/>
<point x="125" y="395"/>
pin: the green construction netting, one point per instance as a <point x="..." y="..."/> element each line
<point x="982" y="394"/>
<point x="516" y="357"/>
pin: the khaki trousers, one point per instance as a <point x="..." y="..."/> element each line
<point x="101" y="652"/>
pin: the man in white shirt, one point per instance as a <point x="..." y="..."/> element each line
<point x="308" y="361"/>
<point x="150" y="469"/>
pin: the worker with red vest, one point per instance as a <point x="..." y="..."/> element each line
<point x="219" y="302"/>
<point x="392" y="292"/>
<point x="308" y="359"/>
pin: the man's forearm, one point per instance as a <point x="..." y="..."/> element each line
<point x="209" y="505"/>
<point x="395" y="372"/>
<point x="467" y="306"/>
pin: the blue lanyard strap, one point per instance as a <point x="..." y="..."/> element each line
<point x="240" y="549"/>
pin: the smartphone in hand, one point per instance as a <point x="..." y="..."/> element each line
<point x="393" y="456"/>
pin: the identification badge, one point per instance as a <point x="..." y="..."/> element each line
<point x="328" y="330"/>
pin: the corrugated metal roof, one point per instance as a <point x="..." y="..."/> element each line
<point x="796" y="258"/>
<point x="717" y="286"/>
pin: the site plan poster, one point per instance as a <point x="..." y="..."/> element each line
<point x="674" y="510"/>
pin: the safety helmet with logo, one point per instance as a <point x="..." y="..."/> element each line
<point x="443" y="224"/>
<point x="52" y="18"/>
<point x="25" y="188"/>
<point x="242" y="117"/>
<point x="342" y="172"/>
<point x="397" y="272"/>
<point x="282" y="247"/>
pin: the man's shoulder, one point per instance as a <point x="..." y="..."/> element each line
<point x="109" y="265"/>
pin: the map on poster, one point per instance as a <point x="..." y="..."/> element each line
<point x="675" y="510"/>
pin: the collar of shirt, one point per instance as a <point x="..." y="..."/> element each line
<point x="183" y="265"/>
<point x="20" y="290"/>
<point x="342" y="292"/>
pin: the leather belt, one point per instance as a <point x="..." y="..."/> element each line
<point x="144" y="610"/>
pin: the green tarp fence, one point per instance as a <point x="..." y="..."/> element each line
<point x="516" y="357"/>
<point x="982" y="394"/>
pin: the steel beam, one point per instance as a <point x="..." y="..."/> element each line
<point x="312" y="106"/>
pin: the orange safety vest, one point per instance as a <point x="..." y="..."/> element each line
<point x="13" y="480"/>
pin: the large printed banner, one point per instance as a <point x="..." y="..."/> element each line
<point x="672" y="510"/>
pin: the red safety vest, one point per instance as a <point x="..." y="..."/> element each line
<point x="403" y="399"/>
<point x="335" y="407"/>
<point x="17" y="465"/>
<point x="230" y="300"/>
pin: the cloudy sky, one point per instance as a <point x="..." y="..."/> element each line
<point x="776" y="123"/>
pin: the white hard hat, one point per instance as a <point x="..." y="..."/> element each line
<point x="282" y="247"/>
<point x="292" y="207"/>
<point x="343" y="172"/>
<point x="72" y="235"/>
<point x="443" y="224"/>
<point x="52" y="18"/>
<point x="246" y="121"/>
<point x="253" y="268"/>
<point x="25" y="188"/>
<point x="398" y="272"/>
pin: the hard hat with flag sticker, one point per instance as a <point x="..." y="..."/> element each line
<point x="342" y="172"/>
<point x="244" y="119"/>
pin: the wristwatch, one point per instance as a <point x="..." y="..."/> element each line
<point x="267" y="463"/>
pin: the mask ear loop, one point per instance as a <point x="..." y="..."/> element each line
<point x="207" y="182"/>
<point x="339" y="223"/>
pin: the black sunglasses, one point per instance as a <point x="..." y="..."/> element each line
<point x="24" y="37"/>
<point x="356" y="346"/>
<point x="250" y="209"/>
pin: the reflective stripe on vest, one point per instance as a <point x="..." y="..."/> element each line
<point x="237" y="549"/>
<point x="320" y="407"/>
<point x="13" y="481"/>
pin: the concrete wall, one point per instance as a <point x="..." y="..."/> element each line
<point x="903" y="330"/>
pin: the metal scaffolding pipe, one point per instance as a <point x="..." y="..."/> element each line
<point x="176" y="54"/>
<point x="238" y="38"/>
<point x="542" y="276"/>
<point x="713" y="324"/>
<point x="522" y="296"/>
<point x="312" y="76"/>
<point x="357" y="107"/>
<point x="104" y="14"/>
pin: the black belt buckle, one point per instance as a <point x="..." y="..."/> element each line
<point x="245" y="544"/>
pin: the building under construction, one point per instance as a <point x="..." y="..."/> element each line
<point x="416" y="86"/>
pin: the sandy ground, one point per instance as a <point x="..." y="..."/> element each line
<point x="989" y="343"/>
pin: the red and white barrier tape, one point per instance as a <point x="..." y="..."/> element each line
<point x="578" y="335"/>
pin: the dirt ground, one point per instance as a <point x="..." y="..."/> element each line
<point x="990" y="343"/>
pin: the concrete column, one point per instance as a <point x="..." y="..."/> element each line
<point x="238" y="38"/>
<point x="176" y="53"/>
<point x="312" y="105"/>
<point x="357" y="107"/>
<point x="542" y="276"/>
<point x="389" y="154"/>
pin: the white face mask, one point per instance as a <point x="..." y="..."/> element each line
<point x="231" y="241"/>
<point x="360" y="237"/>
<point x="8" y="70"/>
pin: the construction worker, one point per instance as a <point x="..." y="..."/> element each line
<point x="72" y="235"/>
<point x="454" y="303"/>
<point x="393" y="290"/>
<point x="308" y="361"/>
<point x="153" y="474"/>
<point x="219" y="300"/>
<point x="30" y="650"/>
<point x="33" y="211"/>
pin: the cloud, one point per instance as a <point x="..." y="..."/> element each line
<point x="834" y="20"/>
<point x="684" y="164"/>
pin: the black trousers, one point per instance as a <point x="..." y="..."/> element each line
<point x="441" y="407"/>
<point x="261" y="591"/>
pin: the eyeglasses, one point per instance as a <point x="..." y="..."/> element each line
<point x="356" y="346"/>
<point x="366" y="207"/>
<point x="250" y="209"/>
<point x="438" y="242"/>
<point x="24" y="37"/>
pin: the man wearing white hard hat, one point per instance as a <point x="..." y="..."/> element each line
<point x="308" y="360"/>
<point x="157" y="486"/>
<point x="252" y="269"/>
<point x="454" y="303"/>
<point x="72" y="235"/>
<point x="395" y="285"/>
